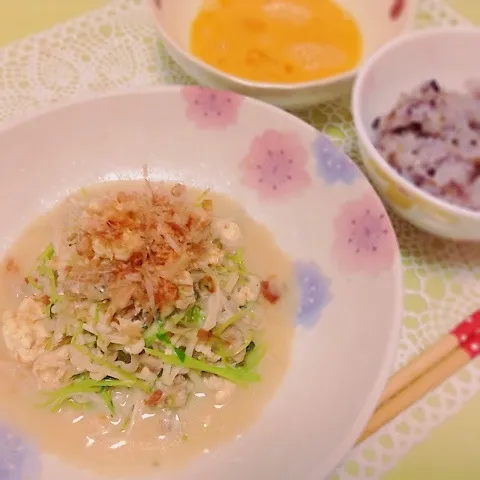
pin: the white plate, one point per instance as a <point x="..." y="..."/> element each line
<point x="323" y="213"/>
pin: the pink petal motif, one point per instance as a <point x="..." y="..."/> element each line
<point x="276" y="165"/>
<point x="364" y="238"/>
<point x="211" y="108"/>
<point x="397" y="8"/>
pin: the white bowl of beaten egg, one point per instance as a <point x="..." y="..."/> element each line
<point x="294" y="53"/>
<point x="416" y="108"/>
<point x="194" y="285"/>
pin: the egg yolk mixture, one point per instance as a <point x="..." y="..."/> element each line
<point x="278" y="41"/>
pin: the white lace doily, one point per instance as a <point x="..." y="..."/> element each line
<point x="116" y="47"/>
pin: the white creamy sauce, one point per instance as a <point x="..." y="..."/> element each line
<point x="166" y="439"/>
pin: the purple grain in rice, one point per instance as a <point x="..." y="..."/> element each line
<point x="432" y="138"/>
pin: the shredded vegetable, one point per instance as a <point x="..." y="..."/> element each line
<point x="57" y="398"/>
<point x="237" y="374"/>
<point x="143" y="295"/>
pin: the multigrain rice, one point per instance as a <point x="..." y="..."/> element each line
<point x="432" y="138"/>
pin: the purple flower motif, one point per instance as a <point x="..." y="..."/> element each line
<point x="315" y="293"/>
<point x="333" y="165"/>
<point x="18" y="459"/>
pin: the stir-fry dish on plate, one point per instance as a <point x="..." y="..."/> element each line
<point x="142" y="298"/>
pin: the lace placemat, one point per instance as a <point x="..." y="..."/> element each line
<point x="116" y="47"/>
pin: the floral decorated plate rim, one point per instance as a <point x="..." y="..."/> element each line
<point x="370" y="401"/>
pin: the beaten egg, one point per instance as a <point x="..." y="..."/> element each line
<point x="277" y="41"/>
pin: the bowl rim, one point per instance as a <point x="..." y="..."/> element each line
<point x="280" y="87"/>
<point x="370" y="402"/>
<point x="362" y="129"/>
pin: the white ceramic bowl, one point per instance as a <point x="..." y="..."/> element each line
<point x="379" y="21"/>
<point x="445" y="55"/>
<point x="289" y="177"/>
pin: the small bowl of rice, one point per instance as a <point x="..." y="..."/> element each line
<point x="416" y="108"/>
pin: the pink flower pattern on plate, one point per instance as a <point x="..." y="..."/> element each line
<point x="275" y="166"/>
<point x="364" y="238"/>
<point x="211" y="108"/>
<point x="397" y="8"/>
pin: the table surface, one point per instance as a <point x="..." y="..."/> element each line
<point x="451" y="451"/>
